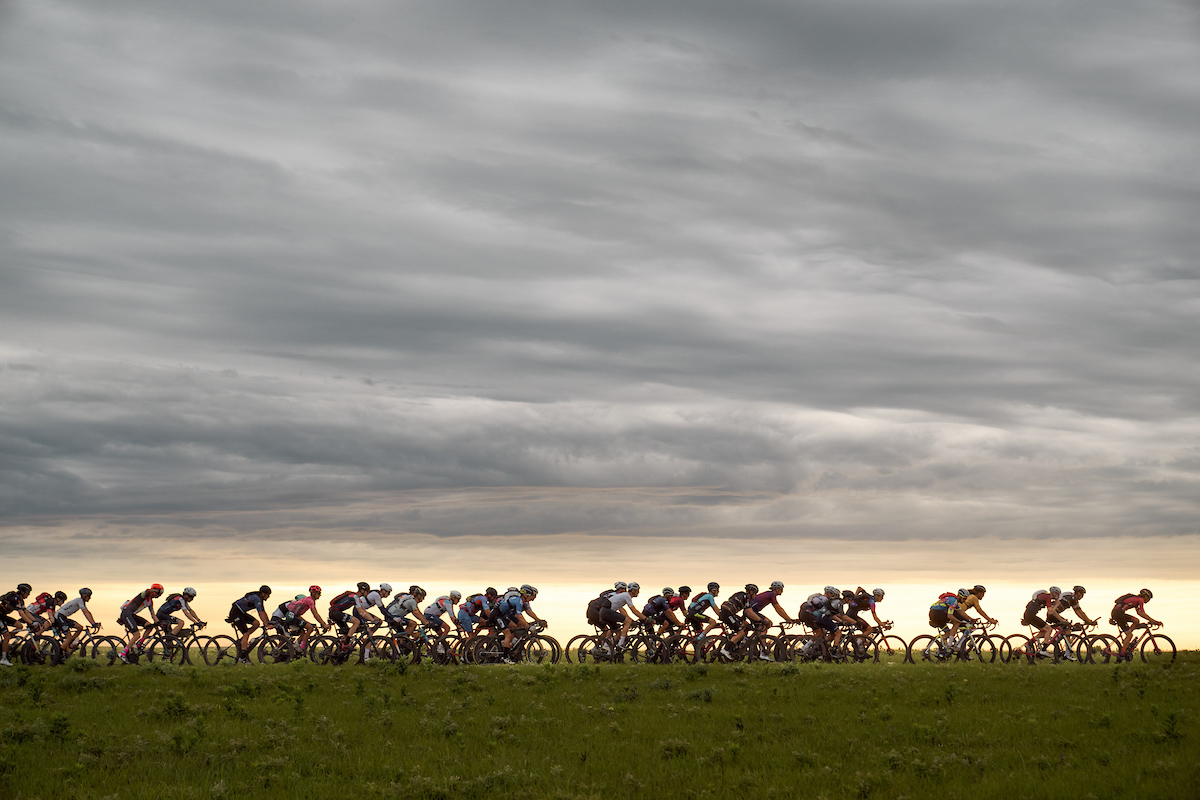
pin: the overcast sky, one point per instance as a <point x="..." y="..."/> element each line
<point x="876" y="269"/>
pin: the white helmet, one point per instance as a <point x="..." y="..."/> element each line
<point x="455" y="595"/>
<point x="620" y="586"/>
<point x="831" y="590"/>
<point x="634" y="586"/>
<point x="1054" y="590"/>
<point x="777" y="586"/>
<point x="385" y="588"/>
<point x="189" y="593"/>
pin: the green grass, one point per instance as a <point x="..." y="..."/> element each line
<point x="847" y="731"/>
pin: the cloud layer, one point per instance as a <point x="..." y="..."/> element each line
<point x="787" y="268"/>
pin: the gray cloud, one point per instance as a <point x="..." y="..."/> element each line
<point x="818" y="267"/>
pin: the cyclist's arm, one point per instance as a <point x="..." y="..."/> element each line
<point x="878" y="621"/>
<point x="1079" y="613"/>
<point x="782" y="613"/>
<point x="91" y="620"/>
<point x="1142" y="613"/>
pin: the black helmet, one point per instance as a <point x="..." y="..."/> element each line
<point x="24" y="588"/>
<point x="1146" y="594"/>
<point x="1079" y="591"/>
<point x="751" y="589"/>
<point x="264" y="589"/>
<point x="363" y="586"/>
<point x="685" y="590"/>
<point x="60" y="596"/>
<point x="491" y="593"/>
<point x="714" y="587"/>
<point x="978" y="589"/>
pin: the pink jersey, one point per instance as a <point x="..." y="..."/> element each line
<point x="298" y="607"/>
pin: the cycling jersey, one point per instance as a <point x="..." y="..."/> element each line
<point x="734" y="603"/>
<point x="403" y="605"/>
<point x="621" y="599"/>
<point x="702" y="603"/>
<point x="11" y="601"/>
<point x="945" y="604"/>
<point x="971" y="602"/>
<point x="475" y="604"/>
<point x="1133" y="602"/>
<point x="761" y="600"/>
<point x="144" y="599"/>
<point x="70" y="607"/>
<point x="1065" y="601"/>
<point x="656" y="607"/>
<point x="1040" y="601"/>
<point x="41" y="604"/>
<point x="834" y="605"/>
<point x="174" y="603"/>
<point x="251" y="601"/>
<point x="344" y="602"/>
<point x="373" y="600"/>
<point x="675" y="603"/>
<point x="860" y="603"/>
<point x="816" y="604"/>
<point x="442" y="605"/>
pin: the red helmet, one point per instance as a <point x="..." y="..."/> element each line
<point x="314" y="589"/>
<point x="157" y="588"/>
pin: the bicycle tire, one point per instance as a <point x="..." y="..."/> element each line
<point x="889" y="649"/>
<point x="572" y="644"/>
<point x="928" y="649"/>
<point x="106" y="650"/>
<point x="534" y="651"/>
<point x="1158" y="649"/>
<point x="978" y="651"/>
<point x="719" y="650"/>
<point x="1013" y="651"/>
<point x="276" y="649"/>
<point x="592" y="650"/>
<point x="1101" y="649"/>
<point x="40" y="650"/>
<point x="219" y="649"/>
<point x="682" y="648"/>
<point x="170" y="649"/>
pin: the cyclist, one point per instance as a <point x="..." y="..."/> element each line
<point x="621" y="600"/>
<point x="971" y="602"/>
<point x="1120" y="614"/>
<point x="291" y="615"/>
<point x="44" y="603"/>
<point x="865" y="601"/>
<point x="1041" y="601"/>
<point x="12" y="603"/>
<point x="510" y="614"/>
<point x="366" y="599"/>
<point x="659" y="612"/>
<point x="180" y="602"/>
<point x="702" y="623"/>
<point x="760" y="600"/>
<point x="1069" y="600"/>
<point x="68" y="628"/>
<point x="443" y="605"/>
<point x="600" y="613"/>
<point x="474" y="609"/>
<point x="341" y="611"/>
<point x="945" y="612"/>
<point x="239" y="617"/>
<point x="404" y="605"/>
<point x="730" y="614"/>
<point x="133" y="623"/>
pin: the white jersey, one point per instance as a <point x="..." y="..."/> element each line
<point x="620" y="600"/>
<point x="374" y="600"/>
<point x="71" y="606"/>
<point x="442" y="605"/>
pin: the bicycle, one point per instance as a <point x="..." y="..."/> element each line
<point x="970" y="644"/>
<point x="1067" y="644"/>
<point x="177" y="648"/>
<point x="1154" y="648"/>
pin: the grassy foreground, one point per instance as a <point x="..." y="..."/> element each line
<point x="845" y="731"/>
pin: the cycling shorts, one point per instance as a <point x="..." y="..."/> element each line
<point x="938" y="617"/>
<point x="1034" y="620"/>
<point x="611" y="620"/>
<point x="133" y="622"/>
<point x="7" y="623"/>
<point x="732" y="622"/>
<point x="827" y="623"/>
<point x="432" y="621"/>
<point x="240" y="620"/>
<point x="467" y="621"/>
<point x="1123" y="621"/>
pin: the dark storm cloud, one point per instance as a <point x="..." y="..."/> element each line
<point x="871" y="267"/>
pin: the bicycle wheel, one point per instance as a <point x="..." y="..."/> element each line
<point x="573" y="645"/>
<point x="1100" y="649"/>
<point x="857" y="648"/>
<point x="533" y="651"/>
<point x="681" y="648"/>
<point x="1158" y="649"/>
<point x="761" y="647"/>
<point x="890" y="650"/>
<point x="593" y="650"/>
<point x="166" y="648"/>
<point x="219" y="650"/>
<point x="981" y="650"/>
<point x="440" y="650"/>
<point x="719" y="650"/>
<point x="276" y="649"/>
<point x="926" y="649"/>
<point x="1014" y="650"/>
<point x="41" y="650"/>
<point x="106" y="650"/>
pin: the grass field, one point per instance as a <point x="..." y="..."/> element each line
<point x="844" y="731"/>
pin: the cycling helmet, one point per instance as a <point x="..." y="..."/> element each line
<point x="877" y="594"/>
<point x="847" y="594"/>
<point x="24" y="588"/>
<point x="831" y="590"/>
<point x="634" y="586"/>
<point x="491" y="593"/>
<point x="85" y="593"/>
<point x="979" y="589"/>
<point x="668" y="592"/>
<point x="417" y="592"/>
<point x="363" y="586"/>
<point x="60" y="596"/>
<point x="1055" y="591"/>
<point x="1078" y="591"/>
<point x="264" y="589"/>
<point x="300" y="597"/>
<point x="189" y="593"/>
<point x="1146" y="594"/>
<point x="314" y="589"/>
<point x="751" y="589"/>
<point x="777" y="586"/>
<point x="620" y="586"/>
<point x="156" y="587"/>
<point x="962" y="594"/>
<point x="527" y="589"/>
<point x="714" y="587"/>
<point x="455" y="595"/>
<point x="685" y="590"/>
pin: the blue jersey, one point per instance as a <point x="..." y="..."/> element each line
<point x="702" y="603"/>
